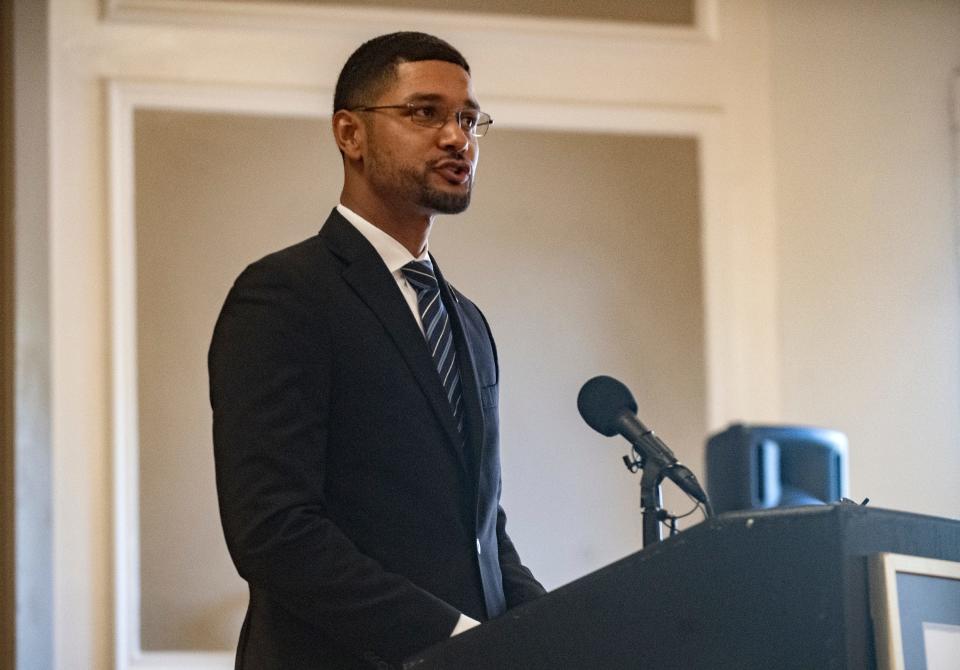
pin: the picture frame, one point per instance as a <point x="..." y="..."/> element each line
<point x="915" y="607"/>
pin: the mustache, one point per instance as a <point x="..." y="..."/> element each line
<point x="452" y="156"/>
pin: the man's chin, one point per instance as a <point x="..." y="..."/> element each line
<point x="444" y="202"/>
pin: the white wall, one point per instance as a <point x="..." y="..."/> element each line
<point x="867" y="219"/>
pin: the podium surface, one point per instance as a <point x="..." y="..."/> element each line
<point x="784" y="588"/>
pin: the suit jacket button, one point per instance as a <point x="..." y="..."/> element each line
<point x="479" y="550"/>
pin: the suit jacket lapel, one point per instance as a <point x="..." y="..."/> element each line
<point x="366" y="274"/>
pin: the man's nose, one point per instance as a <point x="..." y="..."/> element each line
<point x="452" y="136"/>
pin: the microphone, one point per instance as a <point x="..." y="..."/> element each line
<point x="609" y="408"/>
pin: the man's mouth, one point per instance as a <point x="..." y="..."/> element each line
<point x="454" y="171"/>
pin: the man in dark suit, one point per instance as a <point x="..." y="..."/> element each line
<point x="354" y="396"/>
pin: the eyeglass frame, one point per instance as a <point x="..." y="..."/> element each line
<point x="411" y="106"/>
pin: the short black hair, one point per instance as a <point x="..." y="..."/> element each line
<point x="374" y="64"/>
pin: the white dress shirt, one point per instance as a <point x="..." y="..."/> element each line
<point x="394" y="255"/>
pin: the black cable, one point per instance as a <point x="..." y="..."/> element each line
<point x="669" y="521"/>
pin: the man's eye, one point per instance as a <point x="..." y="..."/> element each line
<point x="424" y="112"/>
<point x="468" y="120"/>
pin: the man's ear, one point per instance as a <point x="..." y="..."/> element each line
<point x="349" y="133"/>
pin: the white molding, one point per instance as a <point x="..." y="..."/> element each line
<point x="125" y="435"/>
<point x="219" y="98"/>
<point x="331" y="18"/>
<point x="193" y="660"/>
<point x="580" y="117"/>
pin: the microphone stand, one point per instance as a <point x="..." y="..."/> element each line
<point x="651" y="501"/>
<point x="651" y="497"/>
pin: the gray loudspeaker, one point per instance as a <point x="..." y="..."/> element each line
<point x="758" y="467"/>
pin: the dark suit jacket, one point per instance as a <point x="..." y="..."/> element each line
<point x="349" y="505"/>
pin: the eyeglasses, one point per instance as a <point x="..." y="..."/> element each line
<point x="471" y="121"/>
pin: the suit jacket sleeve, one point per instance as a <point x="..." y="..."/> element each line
<point x="519" y="584"/>
<point x="268" y="390"/>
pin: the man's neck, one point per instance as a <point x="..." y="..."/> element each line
<point x="410" y="229"/>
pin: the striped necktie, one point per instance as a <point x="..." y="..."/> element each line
<point x="436" y="330"/>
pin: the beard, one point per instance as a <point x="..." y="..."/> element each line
<point x="408" y="185"/>
<point x="443" y="202"/>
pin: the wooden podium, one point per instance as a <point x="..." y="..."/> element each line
<point x="773" y="589"/>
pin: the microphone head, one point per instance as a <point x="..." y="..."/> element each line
<point x="601" y="401"/>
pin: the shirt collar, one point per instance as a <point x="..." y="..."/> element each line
<point x="394" y="254"/>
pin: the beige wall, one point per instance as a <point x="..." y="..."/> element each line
<point x="584" y="252"/>
<point x="867" y="219"/>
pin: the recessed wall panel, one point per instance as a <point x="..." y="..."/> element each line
<point x="213" y="193"/>
<point x="583" y="250"/>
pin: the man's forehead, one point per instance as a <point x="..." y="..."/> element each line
<point x="432" y="80"/>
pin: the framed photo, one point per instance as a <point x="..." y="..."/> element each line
<point x="915" y="605"/>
